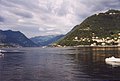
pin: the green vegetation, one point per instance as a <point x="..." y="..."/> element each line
<point x="102" y="26"/>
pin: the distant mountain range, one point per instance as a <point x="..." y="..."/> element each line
<point x="15" y="38"/>
<point x="46" y="40"/>
<point x="103" y="27"/>
<point x="11" y="38"/>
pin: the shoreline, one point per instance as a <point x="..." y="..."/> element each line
<point x="97" y="46"/>
<point x="111" y="46"/>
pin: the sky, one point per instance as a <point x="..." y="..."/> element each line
<point x="49" y="17"/>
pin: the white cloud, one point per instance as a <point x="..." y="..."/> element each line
<point x="41" y="29"/>
<point x="42" y="17"/>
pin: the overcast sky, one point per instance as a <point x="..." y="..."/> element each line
<point x="48" y="17"/>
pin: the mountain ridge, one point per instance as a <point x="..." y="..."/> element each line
<point x="46" y="40"/>
<point x="15" y="38"/>
<point x="100" y="25"/>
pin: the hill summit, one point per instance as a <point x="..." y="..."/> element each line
<point x="98" y="29"/>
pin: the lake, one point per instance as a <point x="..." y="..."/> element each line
<point x="59" y="64"/>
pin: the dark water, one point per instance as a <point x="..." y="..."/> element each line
<point x="59" y="64"/>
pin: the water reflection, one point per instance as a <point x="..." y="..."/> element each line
<point x="99" y="55"/>
<point x="93" y="63"/>
<point x="59" y="64"/>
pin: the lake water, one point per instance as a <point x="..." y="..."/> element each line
<point x="59" y="64"/>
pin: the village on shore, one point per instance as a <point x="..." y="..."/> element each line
<point x="96" y="41"/>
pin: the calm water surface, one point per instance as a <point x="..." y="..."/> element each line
<point x="59" y="64"/>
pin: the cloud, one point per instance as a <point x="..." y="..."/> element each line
<point x="23" y="14"/>
<point x="1" y="19"/>
<point x="100" y="5"/>
<point x="44" y="17"/>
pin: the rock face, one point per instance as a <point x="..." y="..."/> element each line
<point x="46" y="40"/>
<point x="15" y="38"/>
<point x="98" y="26"/>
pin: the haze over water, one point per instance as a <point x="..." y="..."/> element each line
<point x="59" y="64"/>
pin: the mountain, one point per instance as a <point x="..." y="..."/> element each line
<point x="15" y="38"/>
<point x="102" y="27"/>
<point x="46" y="40"/>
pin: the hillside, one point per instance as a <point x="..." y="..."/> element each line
<point x="46" y="40"/>
<point x="15" y="38"/>
<point x="102" y="26"/>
